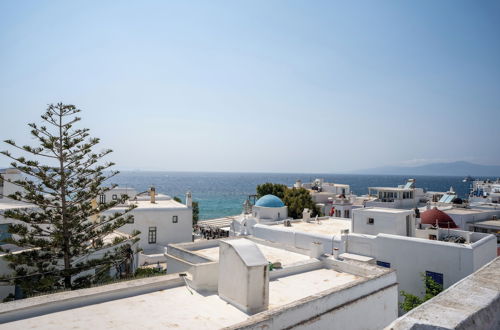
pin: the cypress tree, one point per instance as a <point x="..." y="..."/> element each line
<point x="61" y="229"/>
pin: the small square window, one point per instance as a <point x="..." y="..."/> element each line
<point x="370" y="221"/>
<point x="115" y="197"/>
<point x="175" y="219"/>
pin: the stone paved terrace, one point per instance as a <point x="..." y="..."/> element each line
<point x="472" y="303"/>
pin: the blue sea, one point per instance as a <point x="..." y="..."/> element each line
<point x="223" y="194"/>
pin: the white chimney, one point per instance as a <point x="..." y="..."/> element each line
<point x="243" y="275"/>
<point x="336" y="253"/>
<point x="189" y="199"/>
<point x="152" y="194"/>
<point x="315" y="250"/>
<point x="306" y="215"/>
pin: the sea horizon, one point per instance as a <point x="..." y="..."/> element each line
<point x="221" y="194"/>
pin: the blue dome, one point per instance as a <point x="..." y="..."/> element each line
<point x="269" y="201"/>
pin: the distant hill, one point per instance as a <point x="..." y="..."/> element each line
<point x="460" y="168"/>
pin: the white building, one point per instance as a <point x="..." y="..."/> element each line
<point x="7" y="177"/>
<point x="402" y="197"/>
<point x="333" y="199"/>
<point x="160" y="219"/>
<point x="375" y="220"/>
<point x="392" y="238"/>
<point x="485" y="191"/>
<point x="465" y="217"/>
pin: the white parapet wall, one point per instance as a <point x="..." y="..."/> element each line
<point x="413" y="257"/>
<point x="473" y="303"/>
<point x="298" y="239"/>
<point x="339" y="308"/>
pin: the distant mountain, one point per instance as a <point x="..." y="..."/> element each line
<point x="443" y="169"/>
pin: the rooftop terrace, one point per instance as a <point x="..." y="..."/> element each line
<point x="272" y="254"/>
<point x="166" y="302"/>
<point x="331" y="226"/>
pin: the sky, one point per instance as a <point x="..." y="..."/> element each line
<point x="259" y="86"/>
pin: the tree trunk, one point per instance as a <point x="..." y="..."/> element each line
<point x="66" y="238"/>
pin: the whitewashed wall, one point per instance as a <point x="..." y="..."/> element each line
<point x="167" y="232"/>
<point x="384" y="222"/>
<point x="412" y="257"/>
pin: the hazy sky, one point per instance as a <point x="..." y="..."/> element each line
<point x="281" y="86"/>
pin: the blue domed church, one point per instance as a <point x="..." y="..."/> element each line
<point x="270" y="208"/>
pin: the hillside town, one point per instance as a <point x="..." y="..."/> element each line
<point x="250" y="165"/>
<point x="263" y="268"/>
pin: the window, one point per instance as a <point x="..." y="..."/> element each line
<point x="370" y="221"/>
<point x="383" y="264"/>
<point x="279" y="217"/>
<point x="437" y="279"/>
<point x="346" y="213"/>
<point x="152" y="235"/>
<point x="115" y="197"/>
<point x="175" y="219"/>
<point x="102" y="199"/>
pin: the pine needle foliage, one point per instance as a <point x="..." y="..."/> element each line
<point x="61" y="228"/>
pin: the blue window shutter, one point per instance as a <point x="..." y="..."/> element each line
<point x="436" y="277"/>
<point x="383" y="264"/>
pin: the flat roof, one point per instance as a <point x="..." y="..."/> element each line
<point x="382" y="210"/>
<point x="488" y="223"/>
<point x="179" y="307"/>
<point x="272" y="254"/>
<point x="391" y="189"/>
<point x="326" y="226"/>
<point x="461" y="210"/>
<point x="146" y="204"/>
<point x="285" y="290"/>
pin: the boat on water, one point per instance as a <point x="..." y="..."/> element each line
<point x="468" y="178"/>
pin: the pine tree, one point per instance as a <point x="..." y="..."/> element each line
<point x="62" y="230"/>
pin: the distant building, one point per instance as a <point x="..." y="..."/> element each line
<point x="402" y="197"/>
<point x="160" y="219"/>
<point x="332" y="199"/>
